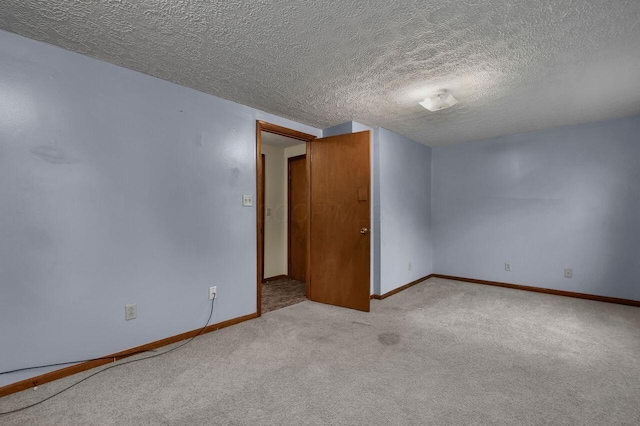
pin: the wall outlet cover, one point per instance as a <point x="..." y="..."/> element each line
<point x="568" y="273"/>
<point x="130" y="311"/>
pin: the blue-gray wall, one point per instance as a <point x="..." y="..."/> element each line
<point x="544" y="201"/>
<point x="116" y="188"/>
<point x="340" y="129"/>
<point x="405" y="210"/>
<point x="401" y="207"/>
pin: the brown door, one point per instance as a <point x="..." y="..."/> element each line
<point x="340" y="220"/>
<point x="298" y="217"/>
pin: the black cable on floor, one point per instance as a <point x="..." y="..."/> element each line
<point x="114" y="366"/>
<point x="68" y="362"/>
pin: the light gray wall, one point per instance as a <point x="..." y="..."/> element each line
<point x="344" y="128"/>
<point x="358" y="127"/>
<point x="116" y="188"/>
<point x="567" y="197"/>
<point x="405" y="210"/>
<point x="340" y="129"/>
<point x="275" y="249"/>
<point x="400" y="207"/>
<point x="375" y="212"/>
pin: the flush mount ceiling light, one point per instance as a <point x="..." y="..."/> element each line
<point x="440" y="100"/>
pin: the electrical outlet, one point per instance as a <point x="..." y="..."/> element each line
<point x="130" y="311"/>
<point x="507" y="267"/>
<point x="568" y="273"/>
<point x="213" y="292"/>
<point x="409" y="265"/>
<point x="247" y="200"/>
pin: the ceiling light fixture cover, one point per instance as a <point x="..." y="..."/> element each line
<point x="440" y="100"/>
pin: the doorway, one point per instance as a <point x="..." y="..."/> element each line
<point x="337" y="215"/>
<point x="282" y="220"/>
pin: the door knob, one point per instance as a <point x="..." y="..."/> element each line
<point x="364" y="231"/>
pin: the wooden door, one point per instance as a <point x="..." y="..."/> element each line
<point x="298" y="214"/>
<point x="339" y="246"/>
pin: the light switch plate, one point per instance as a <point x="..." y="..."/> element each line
<point x="247" y="200"/>
<point x="568" y="273"/>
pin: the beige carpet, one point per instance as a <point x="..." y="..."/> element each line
<point x="282" y="292"/>
<point x="440" y="353"/>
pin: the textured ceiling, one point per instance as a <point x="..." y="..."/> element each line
<point x="515" y="66"/>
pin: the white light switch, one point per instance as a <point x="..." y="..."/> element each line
<point x="268" y="212"/>
<point x="247" y="200"/>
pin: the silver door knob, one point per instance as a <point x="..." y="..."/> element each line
<point x="364" y="231"/>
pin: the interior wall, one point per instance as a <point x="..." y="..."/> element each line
<point x="275" y="255"/>
<point x="544" y="201"/>
<point x="340" y="129"/>
<point x="117" y="188"/>
<point x="375" y="212"/>
<point x="406" y="241"/>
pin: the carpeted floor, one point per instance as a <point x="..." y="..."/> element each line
<point x="439" y="353"/>
<point x="282" y="292"/>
